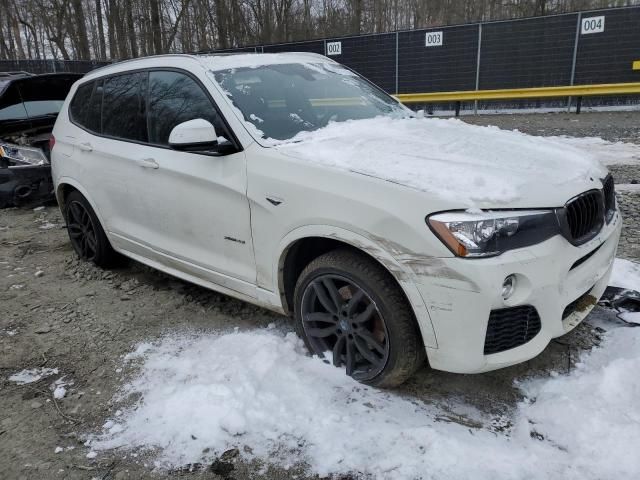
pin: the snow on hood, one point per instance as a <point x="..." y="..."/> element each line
<point x="457" y="161"/>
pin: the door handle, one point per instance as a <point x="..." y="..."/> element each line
<point x="148" y="163"/>
<point x="85" y="146"/>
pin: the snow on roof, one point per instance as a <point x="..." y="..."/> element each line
<point x="254" y="60"/>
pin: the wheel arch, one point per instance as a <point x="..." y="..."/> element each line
<point x="302" y="245"/>
<point x="67" y="185"/>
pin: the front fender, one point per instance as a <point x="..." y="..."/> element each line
<point x="403" y="275"/>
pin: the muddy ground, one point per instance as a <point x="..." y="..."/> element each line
<point x="60" y="313"/>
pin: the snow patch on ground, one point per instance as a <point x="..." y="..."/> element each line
<point x="625" y="274"/>
<point x="608" y="153"/>
<point x="259" y="389"/>
<point x="460" y="162"/>
<point x="32" y="375"/>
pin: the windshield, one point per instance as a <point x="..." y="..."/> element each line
<point x="281" y="101"/>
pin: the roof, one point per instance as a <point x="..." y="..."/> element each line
<point x="7" y="78"/>
<point x="215" y="61"/>
<point x="252" y="60"/>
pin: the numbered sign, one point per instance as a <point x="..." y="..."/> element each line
<point x="334" y="48"/>
<point x="433" y="39"/>
<point x="592" y="25"/>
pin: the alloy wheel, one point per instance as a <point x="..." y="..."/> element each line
<point x="81" y="231"/>
<point x="340" y="318"/>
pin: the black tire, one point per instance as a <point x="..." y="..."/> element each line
<point x="322" y="321"/>
<point x="86" y="234"/>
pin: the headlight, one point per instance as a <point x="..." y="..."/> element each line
<point x="487" y="234"/>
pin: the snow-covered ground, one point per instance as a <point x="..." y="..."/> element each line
<point x="609" y="153"/>
<point x="258" y="389"/>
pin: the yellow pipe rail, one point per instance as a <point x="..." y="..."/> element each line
<point x="516" y="93"/>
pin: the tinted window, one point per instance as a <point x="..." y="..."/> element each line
<point x="11" y="106"/>
<point x="78" y="107"/>
<point x="123" y="107"/>
<point x="175" y="98"/>
<point x="86" y="104"/>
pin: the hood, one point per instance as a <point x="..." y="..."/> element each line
<point x="466" y="165"/>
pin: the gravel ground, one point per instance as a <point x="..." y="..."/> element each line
<point x="60" y="313"/>
<point x="612" y="126"/>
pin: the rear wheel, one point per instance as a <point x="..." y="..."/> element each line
<point x="85" y="232"/>
<point x="349" y="309"/>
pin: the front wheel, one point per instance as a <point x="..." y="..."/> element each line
<point x="348" y="308"/>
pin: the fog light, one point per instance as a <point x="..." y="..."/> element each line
<point x="508" y="286"/>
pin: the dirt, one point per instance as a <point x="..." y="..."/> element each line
<point x="58" y="312"/>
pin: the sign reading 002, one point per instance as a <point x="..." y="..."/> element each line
<point x="334" y="48"/>
<point x="433" y="39"/>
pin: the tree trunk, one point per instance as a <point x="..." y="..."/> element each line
<point x="156" y="27"/>
<point x="102" y="50"/>
<point x="81" y="31"/>
<point x="132" y="32"/>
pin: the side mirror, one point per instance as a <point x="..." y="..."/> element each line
<point x="197" y="134"/>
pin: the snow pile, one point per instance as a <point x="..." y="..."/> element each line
<point x="593" y="414"/>
<point x="625" y="274"/>
<point x="32" y="375"/>
<point x="608" y="153"/>
<point x="258" y="389"/>
<point x="457" y="161"/>
<point x="59" y="388"/>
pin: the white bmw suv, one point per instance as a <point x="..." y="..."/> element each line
<point x="288" y="181"/>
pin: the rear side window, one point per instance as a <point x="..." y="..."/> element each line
<point x="123" y="107"/>
<point x="175" y="98"/>
<point x="86" y="105"/>
<point x="78" y="106"/>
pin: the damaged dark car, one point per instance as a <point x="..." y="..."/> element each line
<point x="29" y="105"/>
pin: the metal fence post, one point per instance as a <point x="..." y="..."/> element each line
<point x="575" y="56"/>
<point x="397" y="63"/>
<point x="475" y="102"/>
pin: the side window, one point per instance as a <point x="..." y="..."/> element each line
<point x="94" y="107"/>
<point x="175" y="98"/>
<point x="44" y="96"/>
<point x="123" y="107"/>
<point x="11" y="106"/>
<point x="86" y="105"/>
<point x="78" y="107"/>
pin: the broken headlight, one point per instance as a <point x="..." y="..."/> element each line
<point x="22" y="155"/>
<point x="490" y="233"/>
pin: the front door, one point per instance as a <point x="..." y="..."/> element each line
<point x="194" y="204"/>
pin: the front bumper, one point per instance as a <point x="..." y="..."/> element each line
<point x="21" y="185"/>
<point x="461" y="299"/>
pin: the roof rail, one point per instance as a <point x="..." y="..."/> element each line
<point x="182" y="55"/>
